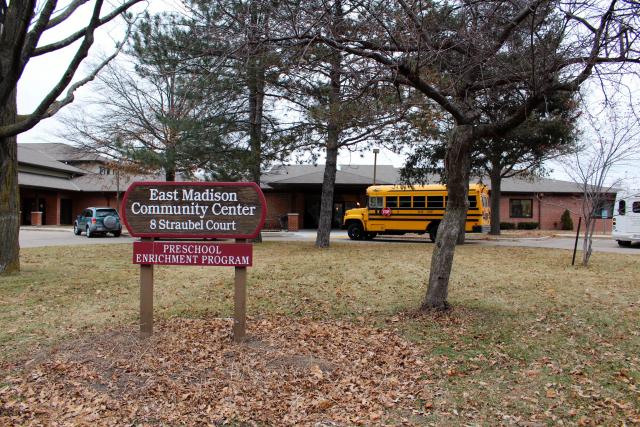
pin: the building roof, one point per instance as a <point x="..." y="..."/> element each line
<point x="51" y="157"/>
<point x="32" y="156"/>
<point x="46" y="181"/>
<point x="314" y="175"/>
<point x="67" y="153"/>
<point x="288" y="175"/>
<point x="112" y="182"/>
<point x="47" y="157"/>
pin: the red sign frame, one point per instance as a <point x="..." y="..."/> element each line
<point x="187" y="235"/>
<point x="176" y="252"/>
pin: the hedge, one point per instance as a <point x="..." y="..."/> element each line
<point x="527" y="225"/>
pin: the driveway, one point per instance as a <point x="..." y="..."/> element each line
<point x="62" y="236"/>
<point x="31" y="237"/>
<point x="600" y="244"/>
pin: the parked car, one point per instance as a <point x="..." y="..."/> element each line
<point x="94" y="221"/>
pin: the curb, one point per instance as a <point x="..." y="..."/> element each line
<point x="513" y="239"/>
<point x="57" y="229"/>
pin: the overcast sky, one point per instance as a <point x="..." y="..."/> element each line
<point x="43" y="72"/>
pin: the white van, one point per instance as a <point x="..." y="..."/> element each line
<point x="626" y="219"/>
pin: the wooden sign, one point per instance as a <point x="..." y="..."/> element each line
<point x="194" y="209"/>
<point x="193" y="253"/>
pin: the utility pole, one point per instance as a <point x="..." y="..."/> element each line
<point x="375" y="163"/>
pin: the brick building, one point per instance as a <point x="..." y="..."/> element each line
<point x="297" y="189"/>
<point x="57" y="181"/>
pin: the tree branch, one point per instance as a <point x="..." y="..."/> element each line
<point x="79" y="34"/>
<point x="49" y="106"/>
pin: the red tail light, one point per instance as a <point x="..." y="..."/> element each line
<point x="93" y="220"/>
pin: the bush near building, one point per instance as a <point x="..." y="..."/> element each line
<point x="566" y="223"/>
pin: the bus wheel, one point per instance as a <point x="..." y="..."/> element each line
<point x="370" y="236"/>
<point x="433" y="233"/>
<point x="624" y="243"/>
<point x="355" y="231"/>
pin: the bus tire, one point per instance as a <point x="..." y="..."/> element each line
<point x="624" y="243"/>
<point x="433" y="232"/>
<point x="355" y="231"/>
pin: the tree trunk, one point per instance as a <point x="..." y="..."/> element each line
<point x="457" y="164"/>
<point x="9" y="193"/>
<point x="496" y="194"/>
<point x="170" y="163"/>
<point x="255" y="83"/>
<point x="587" y="242"/>
<point x="323" y="236"/>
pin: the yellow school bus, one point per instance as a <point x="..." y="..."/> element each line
<point x="395" y="209"/>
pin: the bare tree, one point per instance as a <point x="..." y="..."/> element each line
<point x="612" y="139"/>
<point x="150" y="109"/>
<point x="454" y="52"/>
<point x="22" y="25"/>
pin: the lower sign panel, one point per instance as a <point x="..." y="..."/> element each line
<point x="193" y="253"/>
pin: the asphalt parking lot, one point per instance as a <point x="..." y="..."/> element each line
<point x="61" y="236"/>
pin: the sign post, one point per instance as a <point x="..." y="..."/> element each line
<point x="146" y="298"/>
<point x="198" y="211"/>
<point x="240" y="302"/>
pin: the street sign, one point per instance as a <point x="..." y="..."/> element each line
<point x="194" y="209"/>
<point x="193" y="253"/>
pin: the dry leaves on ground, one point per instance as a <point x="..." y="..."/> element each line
<point x="291" y="372"/>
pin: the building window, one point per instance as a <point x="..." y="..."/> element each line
<point x="605" y="210"/>
<point x="635" y="207"/>
<point x="521" y="208"/>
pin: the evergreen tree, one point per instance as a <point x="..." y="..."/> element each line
<point x="154" y="112"/>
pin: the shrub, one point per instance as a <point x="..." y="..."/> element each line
<point x="507" y="226"/>
<point x="566" y="223"/>
<point x="527" y="225"/>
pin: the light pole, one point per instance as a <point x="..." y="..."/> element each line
<point x="375" y="163"/>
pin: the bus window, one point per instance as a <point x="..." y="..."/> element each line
<point x="435" y="202"/>
<point x="375" y="202"/>
<point x="473" y="202"/>
<point x="405" y="201"/>
<point x="419" y="202"/>
<point x="392" y="201"/>
<point x="622" y="207"/>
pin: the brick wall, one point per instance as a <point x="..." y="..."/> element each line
<point x="548" y="209"/>
<point x="81" y="201"/>
<point x="278" y="204"/>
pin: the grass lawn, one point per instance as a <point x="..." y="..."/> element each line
<point x="530" y="340"/>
